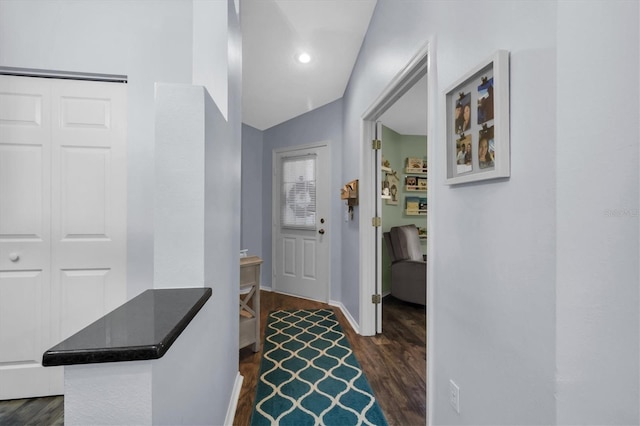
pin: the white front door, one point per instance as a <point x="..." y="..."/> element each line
<point x="301" y="240"/>
<point x="62" y="220"/>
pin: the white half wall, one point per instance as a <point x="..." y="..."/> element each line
<point x="179" y="214"/>
<point x="210" y="50"/>
<point x="598" y="334"/>
<point x="173" y="390"/>
<point x="101" y="394"/>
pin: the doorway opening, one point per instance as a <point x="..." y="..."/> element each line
<point x="403" y="212"/>
<point x="371" y="238"/>
<point x="421" y="66"/>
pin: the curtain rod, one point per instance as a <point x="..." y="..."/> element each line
<point x="68" y="75"/>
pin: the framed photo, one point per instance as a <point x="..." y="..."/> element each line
<point x="477" y="123"/>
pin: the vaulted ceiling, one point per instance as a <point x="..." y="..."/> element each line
<point x="276" y="87"/>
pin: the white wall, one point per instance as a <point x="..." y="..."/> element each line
<point x="494" y="242"/>
<point x="597" y="220"/>
<point x="149" y="41"/>
<point x="535" y="276"/>
<point x="222" y="224"/>
<point x="179" y="213"/>
<point x="210" y="62"/>
<point x="152" y="41"/>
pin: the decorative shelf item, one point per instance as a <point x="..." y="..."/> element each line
<point x="421" y="182"/>
<point x="414" y="188"/>
<point x="415" y="183"/>
<point x="385" y="165"/>
<point x="409" y="170"/>
<point x="422" y="233"/>
<point x="415" y="165"/>
<point x="349" y="192"/>
<point x="391" y="183"/>
<point x="415" y="206"/>
<point x="411" y="181"/>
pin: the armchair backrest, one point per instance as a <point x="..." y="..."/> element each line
<point x="405" y="242"/>
<point x="392" y="254"/>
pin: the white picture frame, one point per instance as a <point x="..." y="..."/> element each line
<point x="477" y="123"/>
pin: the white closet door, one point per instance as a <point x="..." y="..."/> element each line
<point x="25" y="234"/>
<point x="63" y="213"/>
<point x="89" y="206"/>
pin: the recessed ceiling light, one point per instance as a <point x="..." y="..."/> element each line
<point x="303" y="58"/>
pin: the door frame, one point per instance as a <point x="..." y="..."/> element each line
<point x="275" y="212"/>
<point x="423" y="62"/>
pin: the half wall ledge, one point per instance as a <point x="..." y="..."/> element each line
<point x="144" y="328"/>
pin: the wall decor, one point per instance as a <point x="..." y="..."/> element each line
<point x="393" y="183"/>
<point x="477" y="123"/>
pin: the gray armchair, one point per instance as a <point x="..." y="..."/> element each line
<point x="408" y="267"/>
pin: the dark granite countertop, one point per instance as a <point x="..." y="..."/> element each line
<point x="143" y="328"/>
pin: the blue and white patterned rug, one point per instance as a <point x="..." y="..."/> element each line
<point x="310" y="376"/>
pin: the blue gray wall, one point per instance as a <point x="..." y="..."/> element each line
<point x="252" y="167"/>
<point x="321" y="124"/>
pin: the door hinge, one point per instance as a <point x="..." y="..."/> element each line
<point x="376" y="299"/>
<point x="376" y="144"/>
<point x="376" y="221"/>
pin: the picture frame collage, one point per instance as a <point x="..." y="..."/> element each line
<point x="477" y="123"/>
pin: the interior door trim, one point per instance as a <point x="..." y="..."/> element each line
<point x="422" y="62"/>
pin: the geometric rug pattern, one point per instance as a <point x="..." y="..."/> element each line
<point x="310" y="376"/>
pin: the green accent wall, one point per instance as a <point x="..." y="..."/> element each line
<point x="396" y="148"/>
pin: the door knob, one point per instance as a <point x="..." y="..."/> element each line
<point x="14" y="257"/>
<point x="321" y="231"/>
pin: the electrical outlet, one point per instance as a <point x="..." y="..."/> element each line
<point x="454" y="396"/>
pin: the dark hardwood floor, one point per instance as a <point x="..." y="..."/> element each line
<point x="47" y="411"/>
<point x="394" y="361"/>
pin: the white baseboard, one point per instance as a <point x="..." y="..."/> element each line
<point x="263" y="288"/>
<point x="233" y="403"/>
<point x="347" y="315"/>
